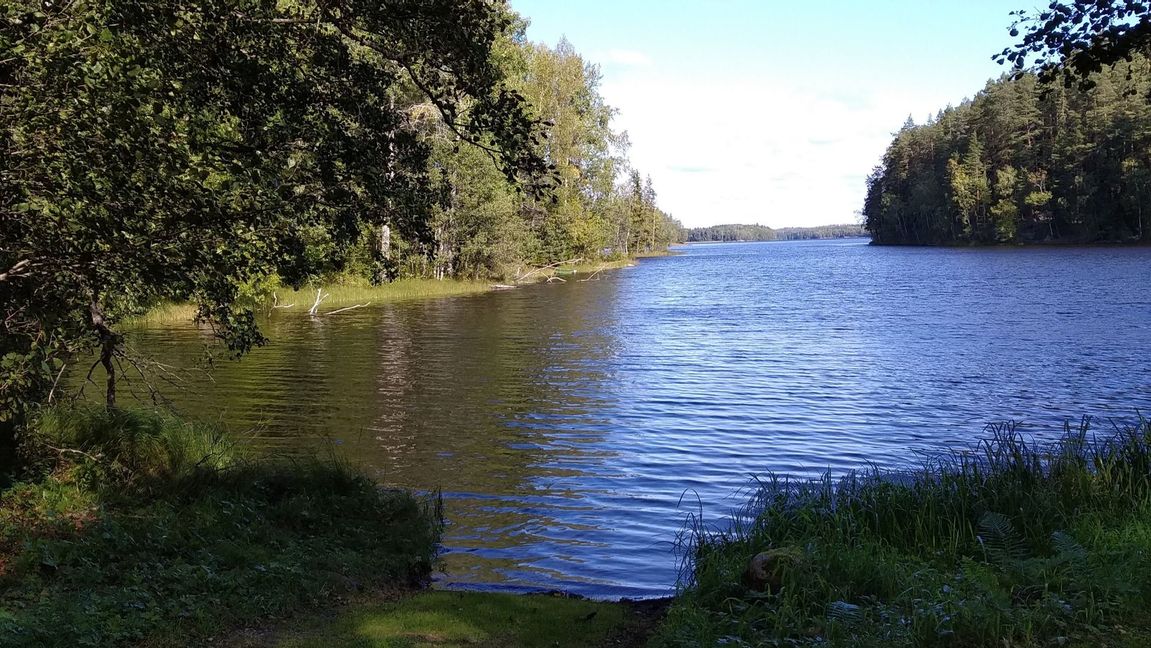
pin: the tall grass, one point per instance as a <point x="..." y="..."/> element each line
<point x="144" y="529"/>
<point x="1013" y="543"/>
<point x="131" y="448"/>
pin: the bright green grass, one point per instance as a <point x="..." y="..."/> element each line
<point x="1012" y="545"/>
<point x="482" y="620"/>
<point x="343" y="295"/>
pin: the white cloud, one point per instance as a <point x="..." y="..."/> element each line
<point x="760" y="150"/>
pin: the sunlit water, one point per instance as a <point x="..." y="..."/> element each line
<point x="572" y="427"/>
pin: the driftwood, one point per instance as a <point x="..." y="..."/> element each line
<point x="594" y="274"/>
<point x="344" y="310"/>
<point x="320" y="297"/>
<point x="502" y="287"/>
<point x="559" y="279"/>
<point x="276" y="302"/>
<point x="521" y="278"/>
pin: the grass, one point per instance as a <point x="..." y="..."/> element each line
<point x="135" y="528"/>
<point x="354" y="292"/>
<point x="341" y="295"/>
<point x="1014" y="544"/>
<point x="456" y="619"/>
<point x="351" y="294"/>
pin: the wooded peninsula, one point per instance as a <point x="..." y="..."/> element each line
<point x="1025" y="161"/>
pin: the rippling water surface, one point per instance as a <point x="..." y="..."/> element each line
<point x="572" y="427"/>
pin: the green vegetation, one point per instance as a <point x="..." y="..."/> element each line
<point x="451" y="619"/>
<point x="385" y="141"/>
<point x="730" y="233"/>
<point x="1012" y="544"/>
<point x="820" y="232"/>
<point x="133" y="527"/>
<point x="1023" y="162"/>
<point x="734" y="233"/>
<point x="338" y="296"/>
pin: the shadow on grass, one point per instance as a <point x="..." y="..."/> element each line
<point x="474" y="619"/>
<point x="138" y="528"/>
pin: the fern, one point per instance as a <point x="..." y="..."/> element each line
<point x="1068" y="550"/>
<point x="1001" y="543"/>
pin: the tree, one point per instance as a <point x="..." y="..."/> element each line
<point x="1074" y="40"/>
<point x="161" y="150"/>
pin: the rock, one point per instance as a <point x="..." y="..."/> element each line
<point x="764" y="572"/>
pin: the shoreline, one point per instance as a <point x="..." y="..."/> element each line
<point x="172" y="507"/>
<point x="358" y="293"/>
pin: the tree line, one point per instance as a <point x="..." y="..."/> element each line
<point x="1024" y="161"/>
<point x="164" y="151"/>
<point x="738" y="233"/>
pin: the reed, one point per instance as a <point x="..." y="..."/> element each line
<point x="1013" y="543"/>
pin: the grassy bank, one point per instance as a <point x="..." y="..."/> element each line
<point x="1009" y="545"/>
<point x="342" y="295"/>
<point x="134" y="528"/>
<point x="477" y="619"/>
<point x="355" y="292"/>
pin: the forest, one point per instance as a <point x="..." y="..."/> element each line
<point x="730" y="233"/>
<point x="1025" y="161"/>
<point x="734" y="233"/>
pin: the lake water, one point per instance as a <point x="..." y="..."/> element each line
<point x="572" y="427"/>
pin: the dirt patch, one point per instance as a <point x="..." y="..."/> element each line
<point x="645" y="617"/>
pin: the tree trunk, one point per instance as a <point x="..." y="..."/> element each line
<point x="385" y="242"/>
<point x="109" y="340"/>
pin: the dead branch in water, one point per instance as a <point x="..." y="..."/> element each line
<point x="320" y="297"/>
<point x="594" y="274"/>
<point x="521" y="278"/>
<point x="276" y="302"/>
<point x="344" y="310"/>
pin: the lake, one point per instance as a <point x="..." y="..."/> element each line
<point x="572" y="427"/>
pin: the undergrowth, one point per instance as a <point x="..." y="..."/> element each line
<point x="1012" y="544"/>
<point x="134" y="527"/>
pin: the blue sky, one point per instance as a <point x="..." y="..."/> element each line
<point x="774" y="112"/>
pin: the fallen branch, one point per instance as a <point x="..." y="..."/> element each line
<point x="276" y="302"/>
<point x="17" y="270"/>
<point x="547" y="267"/>
<point x="55" y="383"/>
<point x="594" y="274"/>
<point x="344" y="310"/>
<point x="502" y="287"/>
<point x="320" y="297"/>
<point x="559" y="279"/>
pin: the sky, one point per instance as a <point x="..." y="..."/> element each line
<point x="768" y="111"/>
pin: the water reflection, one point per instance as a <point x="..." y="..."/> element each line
<point x="572" y="427"/>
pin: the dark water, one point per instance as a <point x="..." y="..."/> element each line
<point x="572" y="427"/>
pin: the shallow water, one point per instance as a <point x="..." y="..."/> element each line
<point x="572" y="427"/>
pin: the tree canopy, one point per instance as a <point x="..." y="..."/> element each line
<point x="1074" y="40"/>
<point x="167" y="151"/>
<point x="1023" y="162"/>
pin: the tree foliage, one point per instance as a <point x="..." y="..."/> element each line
<point x="1023" y="162"/>
<point x="169" y="151"/>
<point x="730" y="233"/>
<point x="1074" y="40"/>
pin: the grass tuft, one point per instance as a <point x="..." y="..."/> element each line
<point x="1012" y="544"/>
